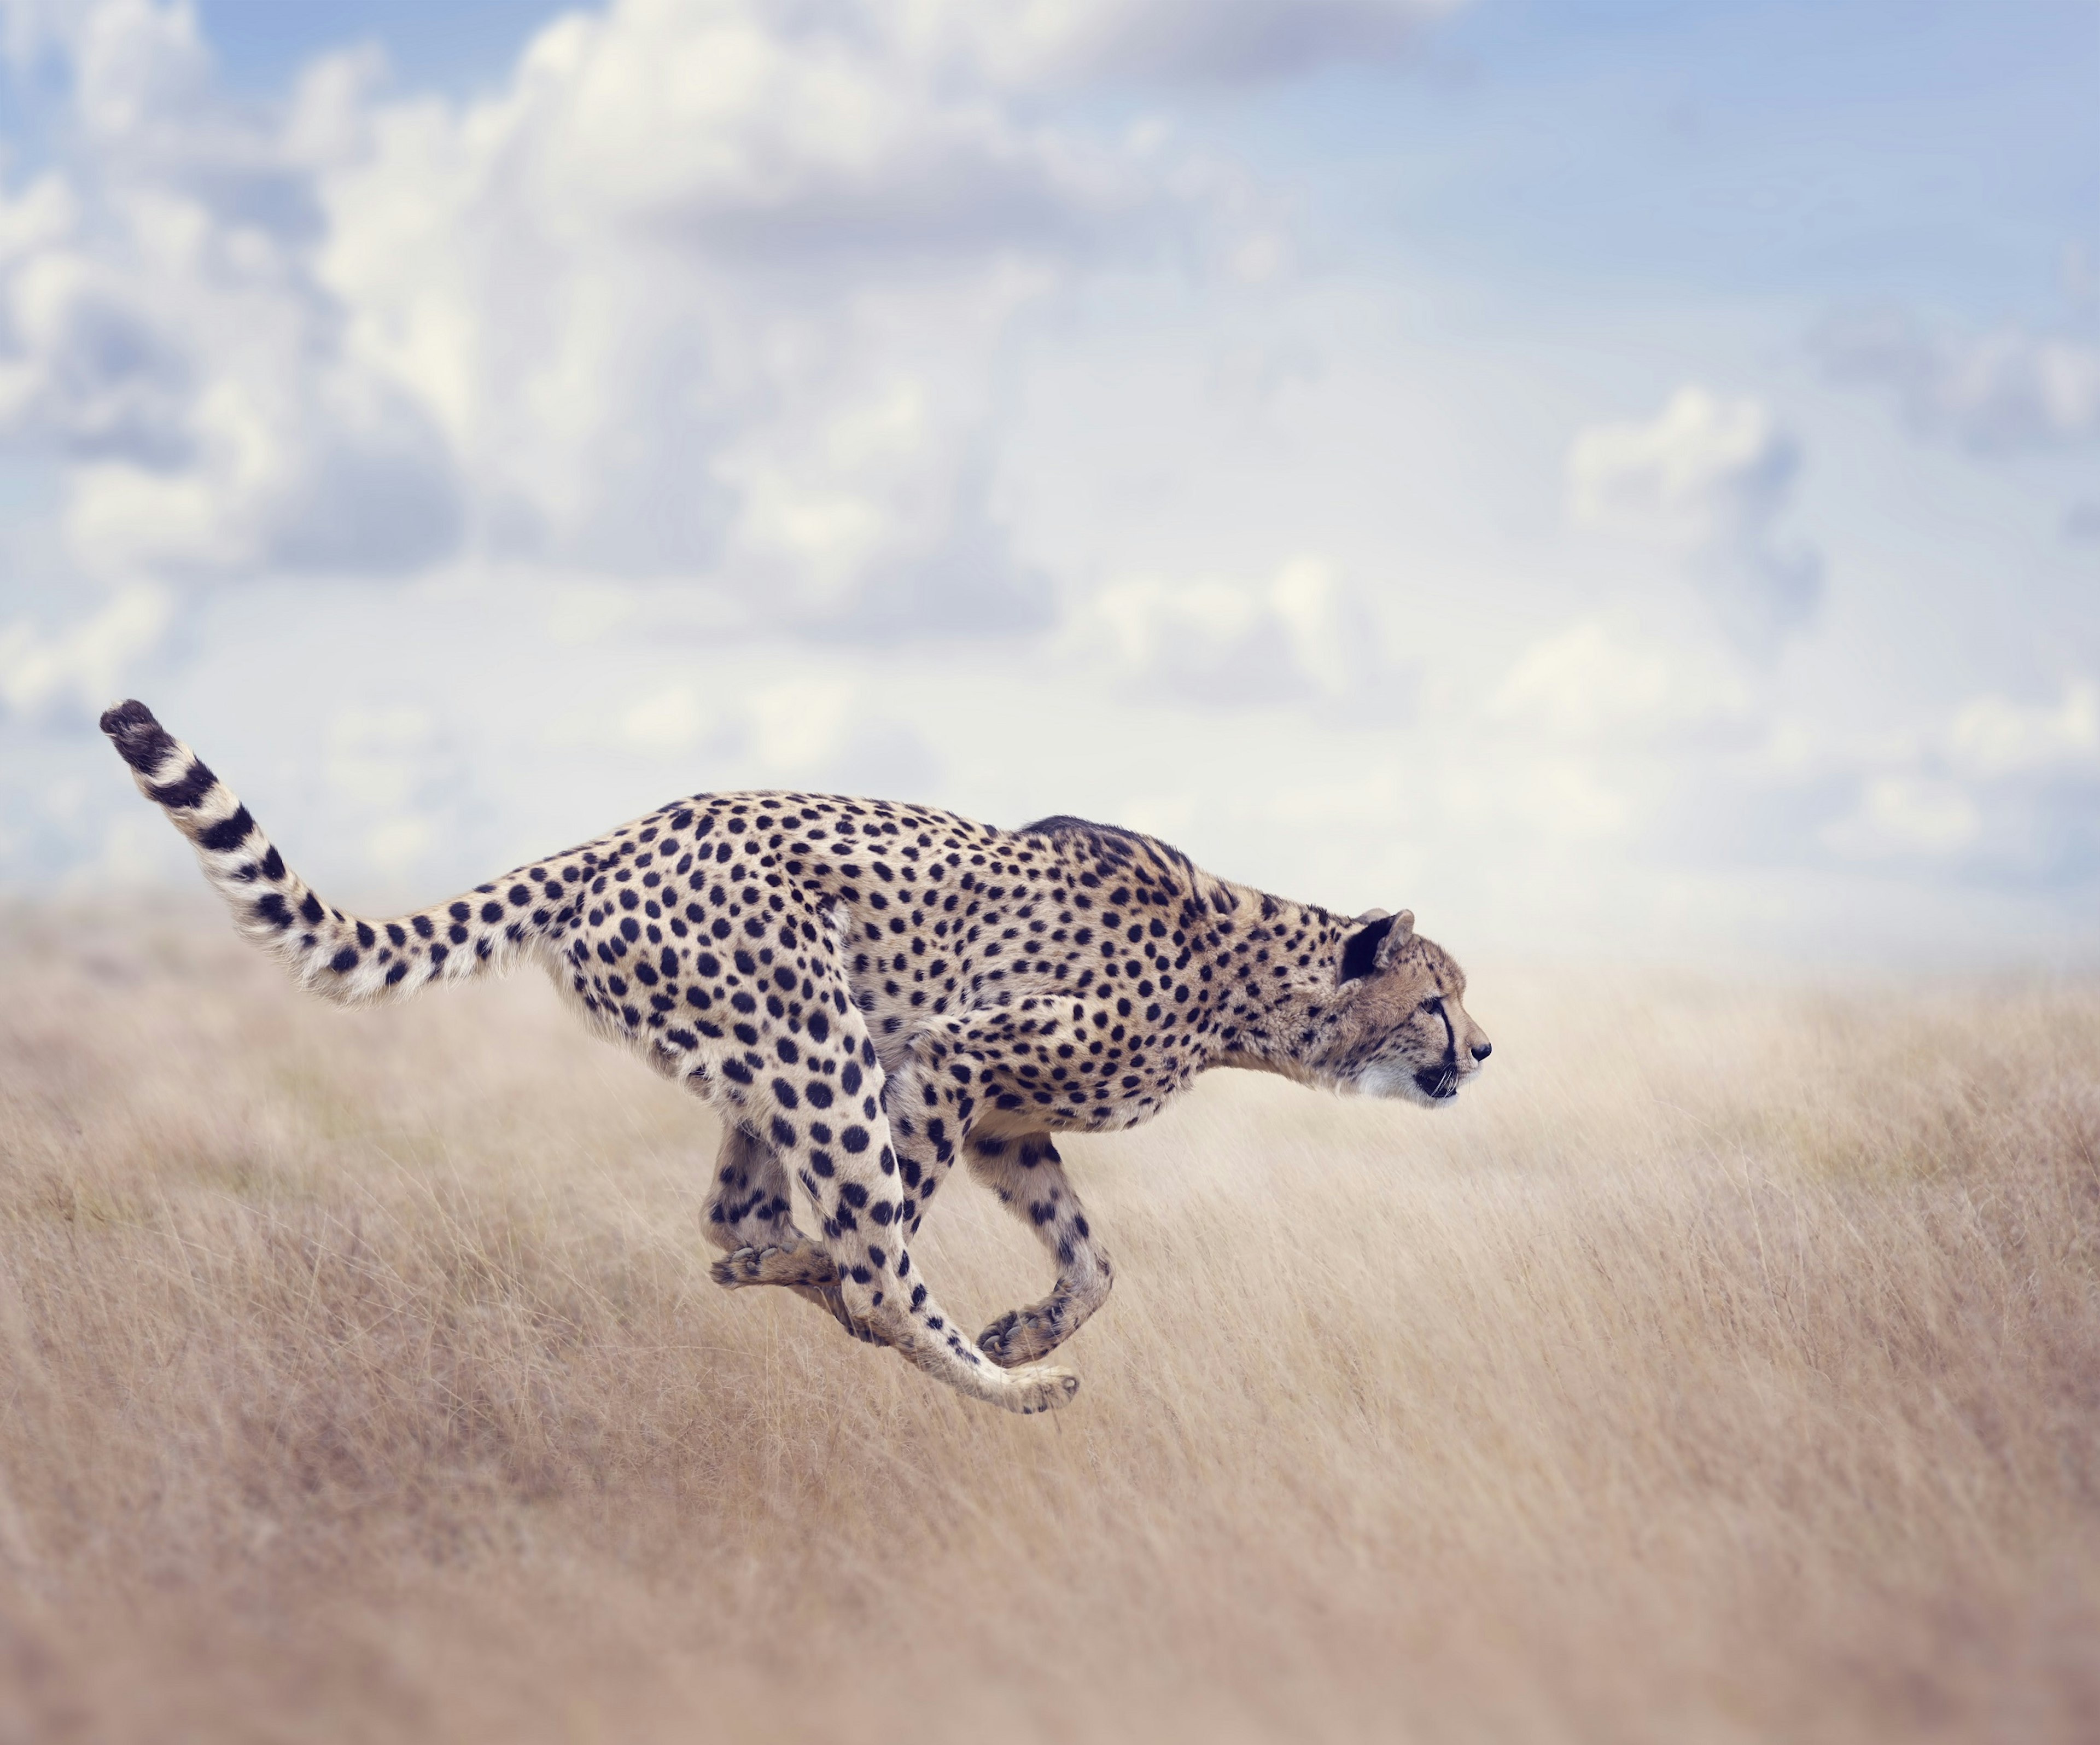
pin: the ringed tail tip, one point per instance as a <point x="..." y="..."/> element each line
<point x="140" y="740"/>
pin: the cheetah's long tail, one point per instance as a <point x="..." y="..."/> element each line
<point x="342" y="957"/>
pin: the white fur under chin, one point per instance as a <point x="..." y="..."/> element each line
<point x="1387" y="1078"/>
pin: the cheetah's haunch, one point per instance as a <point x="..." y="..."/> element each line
<point x="868" y="990"/>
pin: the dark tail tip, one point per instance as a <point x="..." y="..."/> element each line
<point x="140" y="740"/>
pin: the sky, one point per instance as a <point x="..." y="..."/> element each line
<point x="1621" y="479"/>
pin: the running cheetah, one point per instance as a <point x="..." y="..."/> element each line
<point x="867" y="991"/>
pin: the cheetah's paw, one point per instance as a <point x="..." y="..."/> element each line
<point x="1023" y="1336"/>
<point x="802" y="1264"/>
<point x="1033" y="1390"/>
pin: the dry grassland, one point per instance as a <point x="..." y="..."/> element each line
<point x="1726" y="1367"/>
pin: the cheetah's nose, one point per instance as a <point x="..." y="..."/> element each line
<point x="1481" y="1050"/>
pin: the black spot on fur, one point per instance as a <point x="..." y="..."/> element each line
<point x="228" y="832"/>
<point x="187" y="789"/>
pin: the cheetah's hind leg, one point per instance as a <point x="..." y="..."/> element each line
<point x="748" y="1214"/>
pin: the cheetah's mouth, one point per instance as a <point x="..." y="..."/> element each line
<point x="1429" y="1085"/>
<point x="1438" y="1083"/>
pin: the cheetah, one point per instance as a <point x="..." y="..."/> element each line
<point x="868" y="990"/>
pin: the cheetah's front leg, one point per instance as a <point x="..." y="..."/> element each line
<point x="1028" y="1175"/>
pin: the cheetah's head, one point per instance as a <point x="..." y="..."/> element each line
<point x="1398" y="1026"/>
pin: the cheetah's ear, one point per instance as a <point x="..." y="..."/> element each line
<point x="1402" y="930"/>
<point x="1371" y="946"/>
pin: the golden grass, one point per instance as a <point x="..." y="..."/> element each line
<point x="1726" y="1367"/>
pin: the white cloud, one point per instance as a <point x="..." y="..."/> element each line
<point x="1706" y="479"/>
<point x="1693" y="475"/>
<point x="825" y="729"/>
<point x="774" y="715"/>
<point x="1047" y="42"/>
<point x="1584" y="683"/>
<point x="720" y="293"/>
<point x="2008" y="390"/>
<point x="374" y="753"/>
<point x="1300" y="637"/>
<point x="161" y="334"/>
<point x="1907" y="815"/>
<point x="1992" y="736"/>
<point x="82" y="666"/>
<point x="2008" y="783"/>
<point x="713" y="293"/>
<point x="687" y="387"/>
<point x="395" y="779"/>
<point x="399" y="847"/>
<point x="667" y="720"/>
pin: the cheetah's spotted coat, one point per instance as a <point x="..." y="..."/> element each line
<point x="868" y="990"/>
